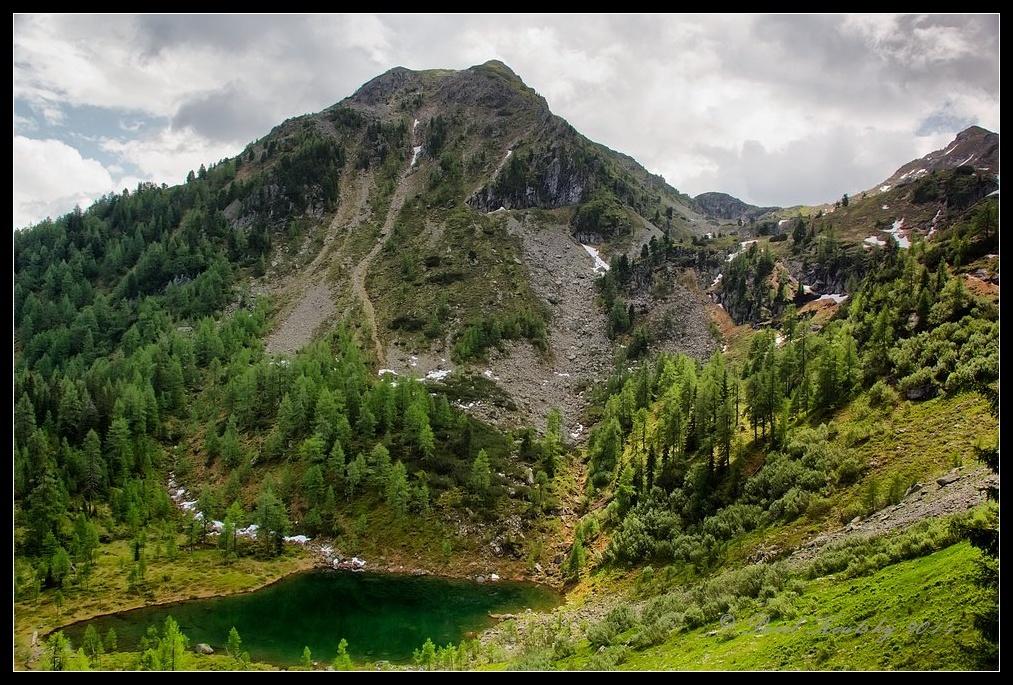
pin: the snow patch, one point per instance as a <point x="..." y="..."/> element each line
<point x="600" y="265"/>
<point x="835" y="297"/>
<point x="782" y="222"/>
<point x="779" y="340"/>
<point x="438" y="374"/>
<point x="415" y="125"/>
<point x="383" y="372"/>
<point x="742" y="248"/>
<point x="249" y="532"/>
<point x="896" y="231"/>
<point x="296" y="539"/>
<point x="717" y="280"/>
<point x="886" y="206"/>
<point x="416" y="151"/>
<point x="883" y="189"/>
<point x="874" y="241"/>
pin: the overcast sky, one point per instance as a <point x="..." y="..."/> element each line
<point x="777" y="110"/>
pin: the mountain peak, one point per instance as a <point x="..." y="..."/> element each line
<point x="974" y="130"/>
<point x="974" y="146"/>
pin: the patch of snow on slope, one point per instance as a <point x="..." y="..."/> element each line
<point x="742" y="248"/>
<point x="437" y="374"/>
<point x="883" y="189"/>
<point x="600" y="265"/>
<point x="874" y="241"/>
<point x="416" y="151"/>
<point x="835" y="297"/>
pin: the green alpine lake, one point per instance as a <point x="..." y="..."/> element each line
<point x="384" y="617"/>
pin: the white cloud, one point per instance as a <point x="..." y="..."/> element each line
<point x="50" y="178"/>
<point x="683" y="94"/>
<point x="169" y="155"/>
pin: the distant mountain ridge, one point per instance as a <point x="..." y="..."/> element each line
<point x="725" y="206"/>
<point x="974" y="146"/>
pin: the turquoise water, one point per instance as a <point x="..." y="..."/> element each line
<point x="383" y="616"/>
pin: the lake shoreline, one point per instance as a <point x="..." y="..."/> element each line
<point x="361" y="606"/>
<point x="317" y="563"/>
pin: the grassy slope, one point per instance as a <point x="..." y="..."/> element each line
<point x="901" y="617"/>
<point x="913" y="441"/>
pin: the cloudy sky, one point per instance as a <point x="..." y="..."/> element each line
<point x="774" y="109"/>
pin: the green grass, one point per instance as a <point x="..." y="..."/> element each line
<point x="911" y="615"/>
<point x="912" y="441"/>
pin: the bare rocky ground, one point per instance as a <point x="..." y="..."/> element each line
<point x="562" y="275"/>
<point x="580" y="354"/>
<point x="957" y="491"/>
<point x="310" y="290"/>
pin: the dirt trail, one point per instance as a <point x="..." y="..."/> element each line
<point x="359" y="273"/>
<point x="313" y="303"/>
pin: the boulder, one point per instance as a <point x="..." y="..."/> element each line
<point x="203" y="648"/>
<point x="951" y="477"/>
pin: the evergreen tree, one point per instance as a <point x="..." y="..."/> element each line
<point x="481" y="475"/>
<point x="272" y="522"/>
<point x="342" y="662"/>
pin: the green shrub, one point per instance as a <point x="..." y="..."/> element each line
<point x="881" y="395"/>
